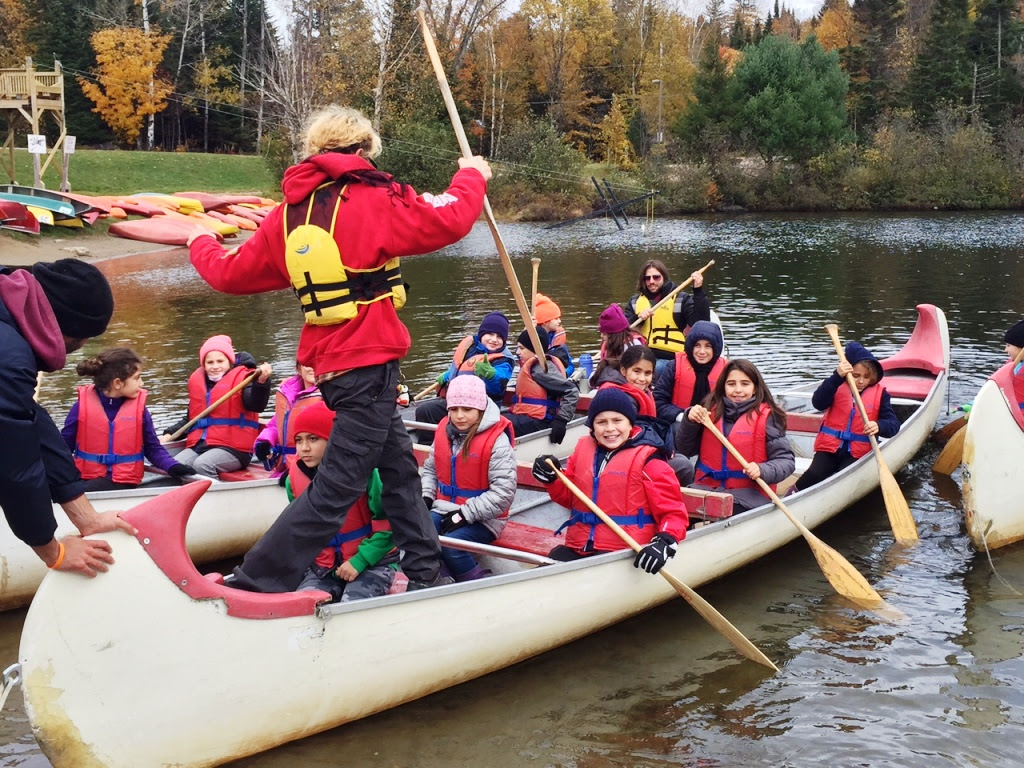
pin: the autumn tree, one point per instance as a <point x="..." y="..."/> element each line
<point x="502" y="77"/>
<point x="835" y="29"/>
<point x="127" y="61"/>
<point x="13" y="34"/>
<point x="613" y="138"/>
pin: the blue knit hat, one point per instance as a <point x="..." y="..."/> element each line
<point x="705" y="330"/>
<point x="495" y="322"/>
<point x="856" y="353"/>
<point x="611" y="399"/>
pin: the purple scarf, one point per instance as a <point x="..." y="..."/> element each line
<point x="25" y="300"/>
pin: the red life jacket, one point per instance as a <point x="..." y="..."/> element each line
<point x="1018" y="385"/>
<point x="618" y="490"/>
<point x="557" y="339"/>
<point x="359" y="522"/>
<point x="464" y="364"/>
<point x="531" y="398"/>
<point x="842" y="426"/>
<point x="686" y="379"/>
<point x="716" y="467"/>
<point x="458" y="478"/>
<point x="285" y="414"/>
<point x="102" y="444"/>
<point x="644" y="400"/>
<point x="229" y="425"/>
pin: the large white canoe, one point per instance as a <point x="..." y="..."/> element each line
<point x="153" y="664"/>
<point x="992" y="462"/>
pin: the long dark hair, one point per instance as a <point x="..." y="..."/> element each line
<point x="635" y="354"/>
<point x="714" y="401"/>
<point x="658" y="265"/>
<point x="114" y="363"/>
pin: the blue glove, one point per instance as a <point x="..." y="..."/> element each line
<point x="442" y="379"/>
<point x="652" y="557"/>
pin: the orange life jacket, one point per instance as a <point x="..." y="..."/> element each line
<point x="842" y="426"/>
<point x="618" y="490"/>
<point x="459" y="478"/>
<point x="531" y="398"/>
<point x="686" y="379"/>
<point x="716" y="467"/>
<point x="229" y="425"/>
<point x="467" y="364"/>
<point x="102" y="444"/>
<point x="285" y="414"/>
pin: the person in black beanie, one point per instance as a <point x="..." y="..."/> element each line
<point x="1014" y="339"/>
<point x="543" y="399"/>
<point x="46" y="313"/>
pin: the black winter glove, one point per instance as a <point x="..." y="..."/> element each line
<point x="557" y="432"/>
<point x="180" y="470"/>
<point x="543" y="471"/>
<point x="428" y="503"/>
<point x="452" y="522"/>
<point x="262" y="450"/>
<point x="652" y="557"/>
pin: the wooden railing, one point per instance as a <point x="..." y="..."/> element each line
<point x="18" y="84"/>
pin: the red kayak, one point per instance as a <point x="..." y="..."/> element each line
<point x="17" y="218"/>
<point x="160" y="229"/>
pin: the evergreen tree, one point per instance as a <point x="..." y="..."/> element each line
<point x="995" y="39"/>
<point x="703" y="127"/>
<point x="942" y="74"/>
<point x="869" y="64"/>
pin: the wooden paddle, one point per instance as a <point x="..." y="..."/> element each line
<point x="535" y="261"/>
<point x="432" y="388"/>
<point x="699" y="604"/>
<point x="900" y="520"/>
<point x="460" y="134"/>
<point x="844" y="578"/>
<point x="219" y="401"/>
<point x="946" y="432"/>
<point x="672" y="294"/>
<point x="952" y="454"/>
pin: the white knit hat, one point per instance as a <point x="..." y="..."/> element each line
<point x="467" y="391"/>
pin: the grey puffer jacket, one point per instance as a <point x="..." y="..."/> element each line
<point x="501" y="475"/>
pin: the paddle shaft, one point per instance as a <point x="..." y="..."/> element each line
<point x="833" y="332"/>
<point x="460" y="135"/>
<point x="432" y="388"/>
<point x="672" y="294"/>
<point x="699" y="604"/>
<point x="213" y="406"/>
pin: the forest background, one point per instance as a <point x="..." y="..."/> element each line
<point x="881" y="104"/>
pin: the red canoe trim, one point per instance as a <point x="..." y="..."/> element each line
<point x="924" y="348"/>
<point x="1004" y="380"/>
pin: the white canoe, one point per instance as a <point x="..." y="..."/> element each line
<point x="993" y="457"/>
<point x="226" y="523"/>
<point x="152" y="664"/>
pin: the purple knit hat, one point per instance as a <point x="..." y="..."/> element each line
<point x="613" y="320"/>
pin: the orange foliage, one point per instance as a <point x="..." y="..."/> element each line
<point x="127" y="61"/>
<point x="730" y="56"/>
<point x="13" y="26"/>
<point x="836" y="29"/>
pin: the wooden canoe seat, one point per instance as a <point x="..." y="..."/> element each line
<point x="252" y="472"/>
<point x="528" y="538"/>
<point x="804" y="421"/>
<point x="707" y="505"/>
<point x="910" y="387"/>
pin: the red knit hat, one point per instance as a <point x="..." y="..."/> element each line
<point x="546" y="310"/>
<point x="316" y="419"/>
<point x="221" y="343"/>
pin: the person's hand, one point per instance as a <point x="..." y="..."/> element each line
<point x="698" y="414"/>
<point x="346" y="572"/>
<point x="644" y="314"/>
<point x="844" y="369"/>
<point x="165" y="437"/>
<point x="543" y="471"/>
<point x="180" y="470"/>
<point x="102" y="522"/>
<point x="654" y="556"/>
<point x="428" y="503"/>
<point x="452" y="522"/>
<point x="484" y="370"/>
<point x="198" y="231"/>
<point x="265" y="372"/>
<point x="476" y="161"/>
<point x="557" y="432"/>
<point x="698" y="279"/>
<point x="262" y="450"/>
<point x="871" y="428"/>
<point x="85" y="557"/>
<point x="442" y="379"/>
<point x="752" y="471"/>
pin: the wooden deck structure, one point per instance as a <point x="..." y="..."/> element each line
<point x="26" y="94"/>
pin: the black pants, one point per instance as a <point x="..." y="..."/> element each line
<point x="527" y="425"/>
<point x="430" y="412"/>
<point x="367" y="433"/>
<point x="824" y="465"/>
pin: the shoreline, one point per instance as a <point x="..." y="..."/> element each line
<point x="17" y="253"/>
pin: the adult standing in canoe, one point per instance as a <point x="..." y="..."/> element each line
<point x="337" y="240"/>
<point x="664" y="329"/>
<point x="46" y="313"/>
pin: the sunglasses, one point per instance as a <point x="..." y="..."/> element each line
<point x="648" y="278"/>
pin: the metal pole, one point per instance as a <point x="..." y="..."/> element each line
<point x="660" y="137"/>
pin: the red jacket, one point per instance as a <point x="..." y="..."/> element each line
<point x="375" y="224"/>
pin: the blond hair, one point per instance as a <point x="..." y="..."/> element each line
<point x="338" y="127"/>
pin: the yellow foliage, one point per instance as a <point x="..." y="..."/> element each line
<point x="13" y="26"/>
<point x="613" y="136"/>
<point x="127" y="60"/>
<point x="837" y="29"/>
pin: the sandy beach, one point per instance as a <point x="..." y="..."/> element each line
<point x="16" y="252"/>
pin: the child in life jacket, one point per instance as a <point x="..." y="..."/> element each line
<point x="110" y="429"/>
<point x="544" y="399"/>
<point x="361" y="560"/>
<point x="222" y="440"/>
<point x="277" y="440"/>
<point x="744" y="411"/>
<point x="843" y="436"/>
<point x="622" y="465"/>
<point x="484" y="354"/>
<point x="616" y="337"/>
<point x="548" y="315"/>
<point x="469" y="479"/>
<point x="691" y="375"/>
<point x="1014" y="341"/>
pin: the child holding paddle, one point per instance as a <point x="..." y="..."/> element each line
<point x="110" y="429"/>
<point x="222" y="440"/>
<point x="469" y="479"/>
<point x="742" y="408"/>
<point x="843" y="436"/>
<point x="623" y="463"/>
<point x="361" y="560"/>
<point x="277" y="440"/>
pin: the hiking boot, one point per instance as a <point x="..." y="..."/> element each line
<point x="439" y="581"/>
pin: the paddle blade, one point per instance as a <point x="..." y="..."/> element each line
<point x="945" y="433"/>
<point x="952" y="454"/>
<point x="844" y="578"/>
<point x="719" y="622"/>
<point x="902" y="522"/>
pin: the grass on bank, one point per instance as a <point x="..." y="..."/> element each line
<point x="120" y="172"/>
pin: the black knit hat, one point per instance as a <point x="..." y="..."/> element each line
<point x="611" y="398"/>
<point x="79" y="294"/>
<point x="1015" y="336"/>
<point x="524" y="339"/>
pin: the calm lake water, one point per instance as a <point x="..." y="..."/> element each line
<point x="944" y="687"/>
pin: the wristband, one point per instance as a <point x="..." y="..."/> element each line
<point x="60" y="556"/>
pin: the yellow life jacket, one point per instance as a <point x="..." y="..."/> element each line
<point x="328" y="291"/>
<point x="660" y="329"/>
